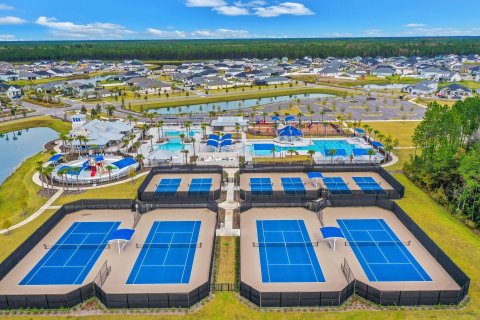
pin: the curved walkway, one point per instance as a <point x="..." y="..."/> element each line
<point x="48" y="204"/>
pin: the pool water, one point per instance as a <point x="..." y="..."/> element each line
<point x="176" y="133"/>
<point x="318" y="146"/>
<point x="172" y="145"/>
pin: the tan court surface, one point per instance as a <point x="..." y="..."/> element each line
<point x="122" y="264"/>
<point x="186" y="180"/>
<point x="347" y="177"/>
<point x="330" y="261"/>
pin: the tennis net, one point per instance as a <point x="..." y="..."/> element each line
<point x="77" y="246"/>
<point x="284" y="244"/>
<point x="169" y="245"/>
<point x="377" y="243"/>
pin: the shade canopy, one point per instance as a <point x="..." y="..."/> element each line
<point x="377" y="144"/>
<point x="314" y="175"/>
<point x="289" y="131"/>
<point x="358" y="130"/>
<point x="121" y="234"/>
<point x="213" y="143"/>
<point x="213" y="137"/>
<point x="290" y="118"/>
<point x="55" y="158"/>
<point x="332" y="233"/>
<point x="275" y="118"/>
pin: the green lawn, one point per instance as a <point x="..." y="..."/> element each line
<point x="183" y="101"/>
<point x="125" y="190"/>
<point x="18" y="236"/>
<point x="43" y="121"/>
<point x="401" y="130"/>
<point x="403" y="157"/>
<point x="19" y="194"/>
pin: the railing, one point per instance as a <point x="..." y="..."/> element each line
<point x="225" y="287"/>
<point x="347" y="271"/>
<point x="102" y="274"/>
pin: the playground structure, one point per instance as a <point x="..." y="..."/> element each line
<point x="94" y="169"/>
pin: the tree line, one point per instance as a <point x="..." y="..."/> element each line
<point x="447" y="161"/>
<point x="180" y="50"/>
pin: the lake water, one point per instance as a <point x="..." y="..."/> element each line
<point x="234" y="105"/>
<point x="18" y="146"/>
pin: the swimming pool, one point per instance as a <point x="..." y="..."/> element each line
<point x="176" y="133"/>
<point x="319" y="146"/>
<point x="172" y="145"/>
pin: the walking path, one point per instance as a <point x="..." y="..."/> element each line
<point x="37" y="213"/>
<point x="229" y="205"/>
<point x="48" y="204"/>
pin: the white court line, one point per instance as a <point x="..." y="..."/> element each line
<point x="114" y="224"/>
<point x="308" y="252"/>
<point x="188" y="252"/>
<point x="266" y="253"/>
<point x="286" y="250"/>
<point x="400" y="248"/>
<point x="360" y="251"/>
<point x="51" y="255"/>
<point x="378" y="247"/>
<point x="145" y="255"/>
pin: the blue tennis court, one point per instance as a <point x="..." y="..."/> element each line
<point x="261" y="186"/>
<point x="167" y="254"/>
<point x="381" y="254"/>
<point x="200" y="187"/>
<point x="286" y="253"/>
<point x="168" y="187"/>
<point x="368" y="185"/>
<point x="71" y="258"/>
<point x="336" y="185"/>
<point x="293" y="186"/>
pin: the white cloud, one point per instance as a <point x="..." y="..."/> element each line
<point x="6" y="7"/>
<point x="438" y="32"/>
<point x="206" y="3"/>
<point x="373" y="32"/>
<point x="231" y="11"/>
<point x="11" y="20"/>
<point x="290" y="8"/>
<point x="7" y="37"/>
<point x="415" y="25"/>
<point x="96" y="30"/>
<point x="221" y="33"/>
<point x="166" y="34"/>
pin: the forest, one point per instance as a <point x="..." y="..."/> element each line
<point x="447" y="162"/>
<point x="183" y="50"/>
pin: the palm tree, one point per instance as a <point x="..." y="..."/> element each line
<point x="204" y="130"/>
<point x="139" y="158"/>
<point x="151" y="142"/>
<point x="182" y="137"/>
<point x="137" y="145"/>
<point x="109" y="169"/>
<point x="193" y="145"/>
<point x="237" y="130"/>
<point x="62" y="173"/>
<point x="130" y="119"/>
<point x="41" y="172"/>
<point x="311" y="153"/>
<point x="76" y="172"/>
<point x="370" y="153"/>
<point x="332" y="153"/>
<point x="80" y="140"/>
<point x="187" y="125"/>
<point x="47" y="171"/>
<point x="159" y="126"/>
<point x="63" y="137"/>
<point x="185" y="154"/>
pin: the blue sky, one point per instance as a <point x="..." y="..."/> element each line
<point x="185" y="19"/>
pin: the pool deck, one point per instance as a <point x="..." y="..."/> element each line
<point x="121" y="264"/>
<point x="275" y="177"/>
<point x="186" y="179"/>
<point x="330" y="261"/>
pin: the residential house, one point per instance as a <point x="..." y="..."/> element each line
<point x="383" y="71"/>
<point x="13" y="92"/>
<point x="422" y="88"/>
<point x="455" y="90"/>
<point x="8" y="76"/>
<point x="274" y="80"/>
